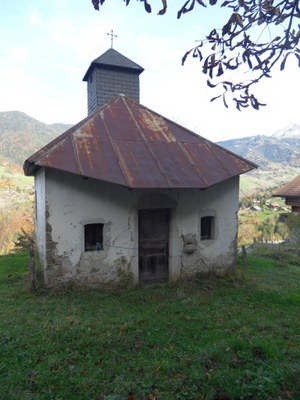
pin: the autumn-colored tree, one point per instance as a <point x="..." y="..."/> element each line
<point x="241" y="44"/>
<point x="266" y="228"/>
<point x="12" y="220"/>
<point x="281" y="230"/>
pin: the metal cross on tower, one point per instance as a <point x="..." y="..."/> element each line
<point x="111" y="34"/>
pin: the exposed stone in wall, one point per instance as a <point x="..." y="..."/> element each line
<point x="189" y="243"/>
<point x="56" y="270"/>
<point x="93" y="268"/>
<point x="125" y="276"/>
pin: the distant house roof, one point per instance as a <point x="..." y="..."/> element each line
<point x="126" y="143"/>
<point x="112" y="59"/>
<point x="290" y="189"/>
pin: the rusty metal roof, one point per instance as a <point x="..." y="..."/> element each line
<point x="290" y="189"/>
<point x="125" y="143"/>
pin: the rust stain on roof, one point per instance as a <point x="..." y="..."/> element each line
<point x="125" y="143"/>
<point x="152" y="126"/>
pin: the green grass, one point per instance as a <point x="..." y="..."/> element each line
<point x="208" y="339"/>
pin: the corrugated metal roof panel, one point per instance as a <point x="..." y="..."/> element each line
<point x="176" y="166"/>
<point x="207" y="164"/>
<point x="127" y="144"/>
<point x="232" y="164"/>
<point x="139" y="166"/>
<point x="152" y="126"/>
<point x="54" y="158"/>
<point x="119" y="123"/>
<point x="183" y="135"/>
<point x="97" y="159"/>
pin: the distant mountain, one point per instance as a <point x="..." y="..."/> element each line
<point x="278" y="158"/>
<point x="21" y="135"/>
<point x="292" y="131"/>
<point x="60" y="128"/>
<point x="267" y="150"/>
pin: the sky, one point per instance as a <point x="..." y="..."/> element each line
<point x="47" y="46"/>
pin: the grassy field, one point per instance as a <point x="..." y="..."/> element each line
<point x="264" y="178"/>
<point x="207" y="339"/>
<point x="19" y="179"/>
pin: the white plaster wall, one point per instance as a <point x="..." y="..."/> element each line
<point x="221" y="201"/>
<point x="40" y="211"/>
<point x="72" y="202"/>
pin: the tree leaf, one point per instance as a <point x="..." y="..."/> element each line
<point x="197" y="53"/>
<point x="230" y="66"/>
<point x="224" y="101"/>
<point x="214" y="98"/>
<point x="96" y="4"/>
<point x="184" y="9"/>
<point x="209" y="84"/>
<point x="226" y="3"/>
<point x="226" y="28"/>
<point x="201" y="3"/>
<point x="183" y="60"/>
<point x="220" y="69"/>
<point x="147" y="6"/>
<point x="237" y="19"/>
<point x="164" y="9"/>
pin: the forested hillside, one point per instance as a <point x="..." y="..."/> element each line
<point x="21" y="135"/>
<point x="267" y="150"/>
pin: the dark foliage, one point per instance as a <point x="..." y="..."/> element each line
<point x="239" y="44"/>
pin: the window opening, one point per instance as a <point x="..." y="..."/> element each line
<point x="93" y="237"/>
<point x="207" y="227"/>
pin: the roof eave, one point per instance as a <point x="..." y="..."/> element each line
<point x="30" y="168"/>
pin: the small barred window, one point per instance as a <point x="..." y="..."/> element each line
<point x="93" y="237"/>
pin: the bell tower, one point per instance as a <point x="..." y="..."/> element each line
<point x="109" y="75"/>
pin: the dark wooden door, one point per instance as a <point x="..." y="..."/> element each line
<point x="154" y="245"/>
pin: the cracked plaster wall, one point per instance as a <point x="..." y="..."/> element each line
<point x="72" y="202"/>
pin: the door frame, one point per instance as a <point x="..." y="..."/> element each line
<point x="168" y="228"/>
